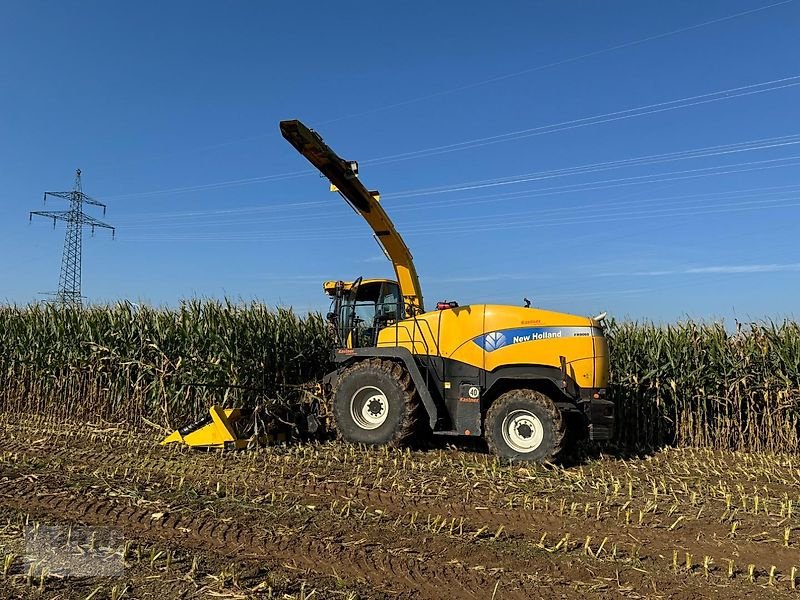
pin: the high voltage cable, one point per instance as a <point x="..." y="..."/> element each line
<point x="516" y="224"/>
<point x="231" y="211"/>
<point x="585" y="211"/>
<point x="607" y="184"/>
<point x="727" y="94"/>
<point x="519" y="73"/>
<point x="620" y="182"/>
<point x="305" y="233"/>
<point x="555" y="63"/>
<point x="538" y="212"/>
<point x="535" y="193"/>
<point x="498" y="78"/>
<point x="638" y="161"/>
<point x="751" y="145"/>
<point x="630" y="113"/>
<point x="219" y="184"/>
<point x="710" y="151"/>
<point x="587" y="216"/>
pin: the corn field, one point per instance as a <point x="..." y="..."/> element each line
<point x="123" y="363"/>
<point x="694" y="384"/>
<point x="688" y="384"/>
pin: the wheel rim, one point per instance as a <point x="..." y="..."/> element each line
<point x="369" y="407"/>
<point x="522" y="431"/>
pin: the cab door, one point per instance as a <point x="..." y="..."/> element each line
<point x="389" y="305"/>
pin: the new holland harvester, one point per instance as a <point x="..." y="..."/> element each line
<point x="520" y="377"/>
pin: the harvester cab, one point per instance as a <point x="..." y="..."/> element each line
<point x="361" y="308"/>
<point x="519" y="377"/>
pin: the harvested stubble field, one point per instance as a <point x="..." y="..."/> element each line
<point x="335" y="521"/>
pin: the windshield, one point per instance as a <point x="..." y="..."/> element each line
<point x="360" y="318"/>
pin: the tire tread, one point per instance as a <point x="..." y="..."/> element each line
<point x="412" y="417"/>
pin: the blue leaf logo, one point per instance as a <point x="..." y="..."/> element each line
<point x="493" y="341"/>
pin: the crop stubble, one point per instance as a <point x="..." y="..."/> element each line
<point x="428" y="524"/>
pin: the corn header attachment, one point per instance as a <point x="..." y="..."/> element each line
<point x="220" y="428"/>
<point x="237" y="428"/>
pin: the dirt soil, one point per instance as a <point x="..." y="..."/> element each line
<point x="335" y="521"/>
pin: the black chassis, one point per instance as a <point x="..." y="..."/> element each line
<point x="456" y="395"/>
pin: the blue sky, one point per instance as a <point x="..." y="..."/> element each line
<point x="641" y="158"/>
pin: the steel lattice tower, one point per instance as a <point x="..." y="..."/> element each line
<point x="69" y="282"/>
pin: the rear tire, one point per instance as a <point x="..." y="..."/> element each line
<point x="375" y="403"/>
<point x="524" y="425"/>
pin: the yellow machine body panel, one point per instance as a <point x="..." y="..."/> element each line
<point x="490" y="336"/>
<point x="516" y="335"/>
<point x="602" y="362"/>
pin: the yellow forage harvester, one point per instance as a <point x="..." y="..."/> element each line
<point x="518" y="376"/>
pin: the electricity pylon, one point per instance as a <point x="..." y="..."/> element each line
<point x="69" y="282"/>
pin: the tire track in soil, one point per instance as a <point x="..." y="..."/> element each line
<point x="559" y="580"/>
<point x="522" y="523"/>
<point x="437" y="578"/>
<point x="375" y="564"/>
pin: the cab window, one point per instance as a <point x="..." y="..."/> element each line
<point x="375" y="305"/>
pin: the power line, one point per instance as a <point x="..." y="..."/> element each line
<point x="603" y="184"/>
<point x="710" y="151"/>
<point x="594" y="214"/>
<point x="484" y="226"/>
<point x="557" y="63"/>
<point x="272" y="208"/>
<point x="707" y="152"/>
<point x="538" y="211"/>
<point x="588" y="211"/>
<point x="498" y="78"/>
<point x="519" y="73"/>
<point x="670" y="105"/>
<point x="630" y="113"/>
<point x="617" y="202"/>
<point x="216" y="185"/>
<point x="619" y="182"/>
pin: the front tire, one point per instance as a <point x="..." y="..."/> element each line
<point x="524" y="425"/>
<point x="375" y="403"/>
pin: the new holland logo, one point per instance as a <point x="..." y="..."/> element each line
<point x="498" y="339"/>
